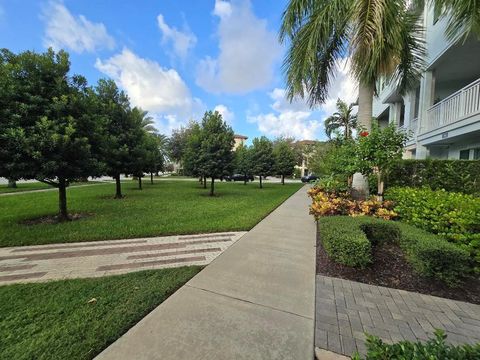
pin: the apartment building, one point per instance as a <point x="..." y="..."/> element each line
<point x="443" y="112"/>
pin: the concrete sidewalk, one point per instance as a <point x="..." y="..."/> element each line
<point x="255" y="301"/>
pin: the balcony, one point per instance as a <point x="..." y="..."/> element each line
<point x="460" y="105"/>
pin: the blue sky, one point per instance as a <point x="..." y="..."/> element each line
<point x="177" y="59"/>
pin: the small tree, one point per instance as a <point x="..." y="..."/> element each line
<point x="378" y="151"/>
<point x="285" y="159"/>
<point x="216" y="155"/>
<point x="243" y="161"/>
<point x="262" y="158"/>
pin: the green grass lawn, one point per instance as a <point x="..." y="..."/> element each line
<point x="55" y="321"/>
<point x="166" y="207"/>
<point x="35" y="186"/>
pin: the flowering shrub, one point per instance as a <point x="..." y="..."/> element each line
<point x="330" y="204"/>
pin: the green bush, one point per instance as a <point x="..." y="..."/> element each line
<point x="433" y="256"/>
<point x="344" y="241"/>
<point x="452" y="175"/>
<point x="454" y="216"/>
<point x="349" y="240"/>
<point x="435" y="348"/>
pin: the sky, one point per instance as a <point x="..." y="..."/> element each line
<point x="179" y="58"/>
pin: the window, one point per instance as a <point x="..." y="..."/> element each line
<point x="464" y="154"/>
<point x="476" y="154"/>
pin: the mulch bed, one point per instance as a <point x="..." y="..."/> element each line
<point x="53" y="219"/>
<point x="390" y="269"/>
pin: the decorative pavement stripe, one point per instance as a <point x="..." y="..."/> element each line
<point x="87" y="259"/>
<point x="190" y="237"/>
<point x="106" y="251"/>
<point x="149" y="263"/>
<point x="93" y="252"/>
<point x="16" y="267"/>
<point x="22" y="276"/>
<point x="73" y="246"/>
<point x="173" y="253"/>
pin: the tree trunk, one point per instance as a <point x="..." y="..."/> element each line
<point x="212" y="186"/>
<point x="204" y="182"/>
<point x="261" y="185"/>
<point x="62" y="200"/>
<point x="365" y="100"/>
<point x="283" y="179"/>
<point x="151" y="178"/>
<point x="245" y="180"/>
<point x="12" y="184"/>
<point x="118" y="193"/>
<point x="139" y="183"/>
<point x="380" y="186"/>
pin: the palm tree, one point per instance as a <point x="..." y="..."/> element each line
<point x="341" y="119"/>
<point x="382" y="38"/>
<point x="147" y="121"/>
<point x="463" y="17"/>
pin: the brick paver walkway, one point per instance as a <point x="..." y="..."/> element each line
<point x="101" y="258"/>
<point x="346" y="309"/>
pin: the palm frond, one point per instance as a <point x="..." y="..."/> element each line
<point x="463" y="18"/>
<point x="318" y="42"/>
<point x="412" y="53"/>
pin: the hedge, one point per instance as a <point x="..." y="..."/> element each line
<point x="349" y="240"/>
<point x="435" y="348"/>
<point x="454" y="216"/>
<point x="451" y="175"/>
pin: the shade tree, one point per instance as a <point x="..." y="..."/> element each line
<point x="46" y="124"/>
<point x="243" y="161"/>
<point x="262" y="158"/>
<point x="216" y="155"/>
<point x="285" y="159"/>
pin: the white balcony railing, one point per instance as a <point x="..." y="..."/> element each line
<point x="464" y="102"/>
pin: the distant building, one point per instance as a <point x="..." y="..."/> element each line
<point x="239" y="140"/>
<point x="307" y="148"/>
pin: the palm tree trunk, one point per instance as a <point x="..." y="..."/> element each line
<point x="365" y="100"/>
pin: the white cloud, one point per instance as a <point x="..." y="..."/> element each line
<point x="295" y="124"/>
<point x="76" y="33"/>
<point x="226" y="113"/>
<point x="343" y="86"/>
<point x="181" y="41"/>
<point x="248" y="51"/>
<point x="153" y="88"/>
<point x="288" y="119"/>
<point x="296" y="118"/>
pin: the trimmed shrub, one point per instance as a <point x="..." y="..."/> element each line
<point x="349" y="240"/>
<point x="435" y="348"/>
<point x="454" y="216"/>
<point x="344" y="241"/>
<point x="452" y="175"/>
<point x="433" y="256"/>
